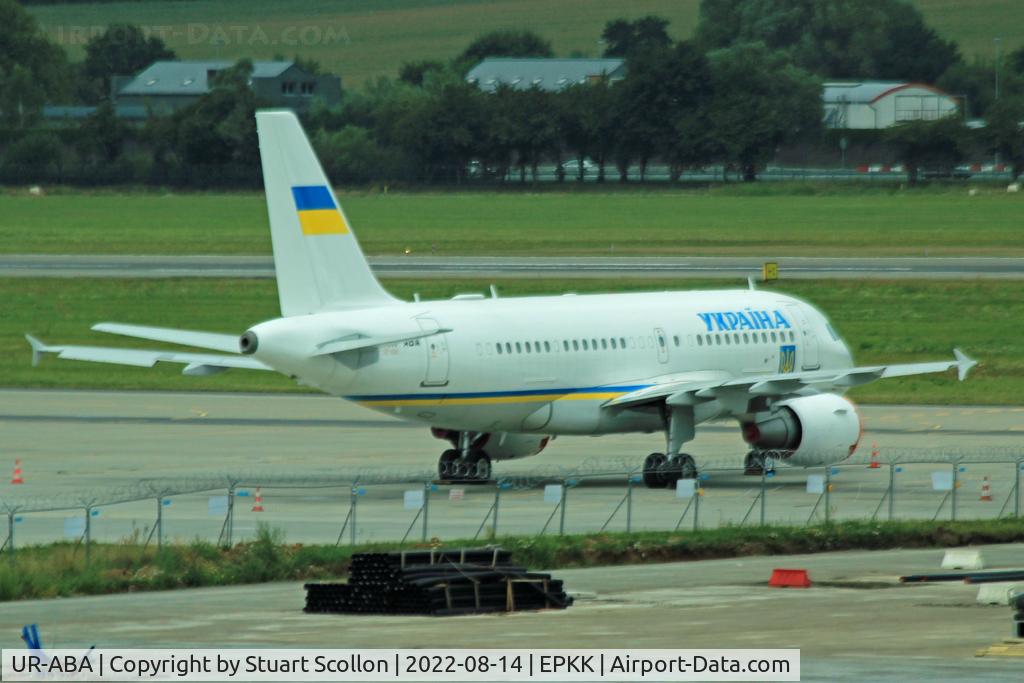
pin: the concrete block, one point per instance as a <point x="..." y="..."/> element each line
<point x="963" y="559"/>
<point x="998" y="593"/>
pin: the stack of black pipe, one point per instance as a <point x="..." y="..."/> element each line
<point x="437" y="582"/>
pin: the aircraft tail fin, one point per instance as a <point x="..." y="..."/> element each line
<point x="316" y="256"/>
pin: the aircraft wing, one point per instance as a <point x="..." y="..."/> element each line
<point x="688" y="391"/>
<point x="204" y="340"/>
<point x="195" y="363"/>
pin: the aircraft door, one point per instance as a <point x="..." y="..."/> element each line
<point x="661" y="344"/>
<point x="811" y="354"/>
<point x="436" y="346"/>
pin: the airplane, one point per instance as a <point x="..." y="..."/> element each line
<point x="498" y="377"/>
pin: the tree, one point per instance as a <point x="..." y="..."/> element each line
<point x="919" y="143"/>
<point x="32" y="69"/>
<point x="885" y="39"/>
<point x="585" y="123"/>
<point x="102" y="135"/>
<point x="121" y="50"/>
<point x="760" y="101"/>
<point x="1005" y="132"/>
<point x="34" y="155"/>
<point x="503" y="44"/>
<point x="415" y="73"/>
<point x="442" y="129"/>
<point x="661" y="108"/>
<point x="530" y="130"/>
<point x="351" y="155"/>
<point x="220" y="127"/>
<point x="623" y="37"/>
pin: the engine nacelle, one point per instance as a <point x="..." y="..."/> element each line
<point x="499" y="445"/>
<point x="809" y="430"/>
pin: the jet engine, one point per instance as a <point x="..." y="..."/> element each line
<point x="809" y="430"/>
<point x="500" y="445"/>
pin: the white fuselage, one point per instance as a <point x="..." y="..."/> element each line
<point x="547" y="364"/>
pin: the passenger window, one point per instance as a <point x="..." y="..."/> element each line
<point x="727" y="341"/>
<point x="746" y="338"/>
<point x="498" y="347"/>
<point x="519" y="348"/>
<point x="773" y="336"/>
<point x="565" y="344"/>
<point x="604" y="344"/>
<point x="613" y="342"/>
<point x="575" y="345"/>
<point x="585" y="345"/>
<point x="527" y="345"/>
<point x="622" y="342"/>
<point x="676" y="339"/>
<point x="547" y="346"/>
<point x="700" y="340"/>
<point x="764" y="337"/>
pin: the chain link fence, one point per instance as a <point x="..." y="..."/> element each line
<point x="599" y="494"/>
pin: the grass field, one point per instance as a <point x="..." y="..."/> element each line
<point x="882" y="321"/>
<point x="61" y="570"/>
<point x="363" y="40"/>
<point x="756" y="221"/>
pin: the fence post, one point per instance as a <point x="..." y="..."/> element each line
<point x="629" y="504"/>
<point x="88" y="533"/>
<point x="1016" y="488"/>
<point x="426" y="508"/>
<point x="10" y="536"/>
<point x="697" y="494"/>
<point x="892" y="489"/>
<point x="956" y="483"/>
<point x="231" y="513"/>
<point x="561" y="512"/>
<point x="159" y="522"/>
<point x="354" y="501"/>
<point x="828" y="494"/>
<point x="764" y="474"/>
<point x="497" y="499"/>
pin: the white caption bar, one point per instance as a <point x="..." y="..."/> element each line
<point x="400" y="665"/>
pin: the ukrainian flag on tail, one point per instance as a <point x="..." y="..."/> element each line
<point x="318" y="214"/>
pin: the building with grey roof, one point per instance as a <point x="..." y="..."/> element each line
<point x="882" y="104"/>
<point x="523" y="73"/>
<point x="169" y="85"/>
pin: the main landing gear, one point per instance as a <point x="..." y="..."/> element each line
<point x="467" y="462"/>
<point x="665" y="469"/>
<point x="662" y="472"/>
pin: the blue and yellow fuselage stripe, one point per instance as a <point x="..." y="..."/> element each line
<point x="318" y="214"/>
<point x="495" y="397"/>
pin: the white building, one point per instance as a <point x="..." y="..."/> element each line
<point x="881" y="104"/>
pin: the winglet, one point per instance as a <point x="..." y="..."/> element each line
<point x="963" y="364"/>
<point x="38" y="349"/>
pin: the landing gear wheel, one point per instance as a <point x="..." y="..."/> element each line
<point x="654" y="476"/>
<point x="446" y="464"/>
<point x="754" y="465"/>
<point x="680" y="467"/>
<point x="478" y="466"/>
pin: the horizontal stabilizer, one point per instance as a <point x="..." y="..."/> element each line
<point x="203" y="340"/>
<point x="145" y="358"/>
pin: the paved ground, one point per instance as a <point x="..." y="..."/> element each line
<point x="856" y="624"/>
<point x="506" y="267"/>
<point x="82" y="448"/>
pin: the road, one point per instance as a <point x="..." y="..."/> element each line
<point x="857" y="623"/>
<point x="414" y="266"/>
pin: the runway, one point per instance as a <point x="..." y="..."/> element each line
<point x="418" y="266"/>
<point x="95" y="447"/>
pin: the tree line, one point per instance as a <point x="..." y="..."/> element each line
<point x="748" y="82"/>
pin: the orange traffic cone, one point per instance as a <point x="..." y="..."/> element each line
<point x="257" y="505"/>
<point x="16" y="478"/>
<point x="874" y="457"/>
<point x="986" y="491"/>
